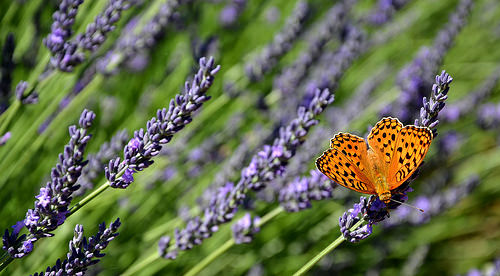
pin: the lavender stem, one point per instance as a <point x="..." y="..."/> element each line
<point x="325" y="251"/>
<point x="229" y="243"/>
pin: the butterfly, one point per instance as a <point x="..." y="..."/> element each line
<point x="390" y="156"/>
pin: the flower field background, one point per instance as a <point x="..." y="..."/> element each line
<point x="223" y="180"/>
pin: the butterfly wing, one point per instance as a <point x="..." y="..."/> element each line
<point x="383" y="137"/>
<point x="344" y="163"/>
<point x="411" y="147"/>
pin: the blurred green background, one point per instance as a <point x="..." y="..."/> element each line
<point x="464" y="237"/>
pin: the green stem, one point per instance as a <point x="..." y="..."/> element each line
<point x="207" y="260"/>
<point x="229" y="243"/>
<point x="88" y="198"/>
<point x="325" y="251"/>
<point x="4" y="264"/>
<point x="135" y="269"/>
<point x="11" y="112"/>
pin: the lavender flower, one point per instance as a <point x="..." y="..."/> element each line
<point x="6" y="68"/>
<point x="334" y="65"/>
<point x="335" y="18"/>
<point x="464" y="106"/>
<point x="131" y="43"/>
<point x="31" y="98"/>
<point x="375" y="210"/>
<point x="267" y="165"/>
<point x="350" y="218"/>
<point x="282" y="43"/>
<point x="245" y="228"/>
<point x="61" y="28"/>
<point x="488" y="116"/>
<point x="416" y="78"/>
<point x="51" y="206"/>
<point x="72" y="52"/>
<point x="433" y="205"/>
<point x="385" y="11"/>
<point x="231" y="12"/>
<point x="97" y="162"/>
<point x="297" y="195"/>
<point x="145" y="145"/>
<point x="4" y="138"/>
<point x="328" y="73"/>
<point x="84" y="252"/>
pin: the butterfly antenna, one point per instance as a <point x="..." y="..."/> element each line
<point x="406" y="204"/>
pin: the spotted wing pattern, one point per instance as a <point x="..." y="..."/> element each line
<point x="352" y="147"/>
<point x="382" y="138"/>
<point x="343" y="162"/>
<point x="411" y="147"/>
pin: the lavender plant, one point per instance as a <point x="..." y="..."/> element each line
<point x="140" y="150"/>
<point x="234" y="165"/>
<point x="281" y="44"/>
<point x="416" y="78"/>
<point x="268" y="164"/>
<point x="84" y="252"/>
<point x="52" y="204"/>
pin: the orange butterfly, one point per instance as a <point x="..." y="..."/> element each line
<point x="394" y="153"/>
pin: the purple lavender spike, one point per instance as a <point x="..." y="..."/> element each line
<point x="51" y="206"/>
<point x="245" y="229"/>
<point x="385" y="11"/>
<point x="416" y="78"/>
<point x="333" y="21"/>
<point x="72" y="52"/>
<point x="299" y="193"/>
<point x="99" y="160"/>
<point x="230" y="13"/>
<point x="62" y="27"/>
<point x="457" y="110"/>
<point x="132" y="44"/>
<point x="268" y="57"/>
<point x="83" y="252"/>
<point x="147" y="143"/>
<point x="266" y="165"/>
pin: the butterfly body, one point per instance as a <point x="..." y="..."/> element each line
<point x="382" y="163"/>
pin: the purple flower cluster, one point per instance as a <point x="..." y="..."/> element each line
<point x="4" y="138"/>
<point x="375" y="210"/>
<point x="488" y="116"/>
<point x="299" y="193"/>
<point x="385" y="11"/>
<point x="293" y="75"/>
<point x="62" y="27"/>
<point x="30" y="98"/>
<point x="133" y="44"/>
<point x="464" y="106"/>
<point x="434" y="204"/>
<point x="230" y="13"/>
<point x="281" y="44"/>
<point x="333" y="65"/>
<point x="97" y="161"/>
<point x="245" y="229"/>
<point x="84" y="252"/>
<point x="51" y="206"/>
<point x="71" y="53"/>
<point x="328" y="73"/>
<point x="350" y="218"/>
<point x="140" y="150"/>
<point x="416" y="78"/>
<point x="266" y="166"/>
